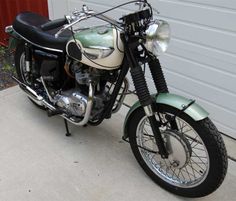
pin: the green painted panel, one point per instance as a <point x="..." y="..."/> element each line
<point x="96" y="36"/>
<point x="195" y="111"/>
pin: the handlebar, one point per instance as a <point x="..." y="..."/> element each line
<point x="54" y="24"/>
<point x="74" y="20"/>
<point x="78" y="16"/>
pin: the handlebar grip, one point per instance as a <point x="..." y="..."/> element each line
<point x="54" y="24"/>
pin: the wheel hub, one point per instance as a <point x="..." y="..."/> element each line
<point x="178" y="147"/>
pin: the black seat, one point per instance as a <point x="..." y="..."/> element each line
<point x="27" y="24"/>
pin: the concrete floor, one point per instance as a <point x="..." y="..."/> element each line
<point x="38" y="163"/>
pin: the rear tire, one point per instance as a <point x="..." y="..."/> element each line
<point x="21" y="68"/>
<point x="209" y="139"/>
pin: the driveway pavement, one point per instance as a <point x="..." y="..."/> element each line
<point x="39" y="163"/>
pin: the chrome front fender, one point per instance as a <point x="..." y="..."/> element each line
<point x="195" y="111"/>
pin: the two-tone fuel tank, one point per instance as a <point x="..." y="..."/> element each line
<point x="99" y="47"/>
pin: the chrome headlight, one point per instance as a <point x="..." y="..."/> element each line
<point x="157" y="37"/>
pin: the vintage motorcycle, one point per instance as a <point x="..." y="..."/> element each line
<point x="80" y="74"/>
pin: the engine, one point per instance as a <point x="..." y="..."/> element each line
<point x="74" y="101"/>
<point x="73" y="98"/>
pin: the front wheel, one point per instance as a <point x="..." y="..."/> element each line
<point x="197" y="161"/>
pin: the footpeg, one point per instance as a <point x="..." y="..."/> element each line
<point x="52" y="113"/>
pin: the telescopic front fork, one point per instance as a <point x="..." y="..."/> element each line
<point x="160" y="82"/>
<point x="146" y="101"/>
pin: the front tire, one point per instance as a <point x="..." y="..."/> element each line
<point x="197" y="162"/>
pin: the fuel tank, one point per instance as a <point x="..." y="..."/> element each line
<point x="99" y="47"/>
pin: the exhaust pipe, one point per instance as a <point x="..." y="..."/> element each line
<point x="32" y="94"/>
<point x="29" y="91"/>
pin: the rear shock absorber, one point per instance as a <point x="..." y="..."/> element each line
<point x="28" y="57"/>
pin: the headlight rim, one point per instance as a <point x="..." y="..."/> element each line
<point x="157" y="28"/>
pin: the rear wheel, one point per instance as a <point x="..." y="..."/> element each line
<point x="197" y="161"/>
<point x="22" y="74"/>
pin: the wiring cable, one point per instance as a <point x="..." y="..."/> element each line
<point x="124" y="4"/>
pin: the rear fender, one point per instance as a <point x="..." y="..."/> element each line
<point x="195" y="111"/>
<point x="14" y="38"/>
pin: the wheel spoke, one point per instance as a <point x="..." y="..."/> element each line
<point x="145" y="134"/>
<point x="197" y="165"/>
<point x="198" y="156"/>
<point x="188" y="174"/>
<point x="145" y="141"/>
<point x="187" y="131"/>
<point x="198" y="149"/>
<point x="182" y="173"/>
<point x="147" y="123"/>
<point x="193" y="169"/>
<point x="195" y="145"/>
<point x="183" y="126"/>
<point x="174" y="173"/>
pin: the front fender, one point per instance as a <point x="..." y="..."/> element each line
<point x="195" y="111"/>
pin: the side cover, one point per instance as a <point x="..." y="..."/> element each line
<point x="195" y="111"/>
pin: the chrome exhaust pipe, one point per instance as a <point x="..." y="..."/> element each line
<point x="32" y="94"/>
<point x="29" y="91"/>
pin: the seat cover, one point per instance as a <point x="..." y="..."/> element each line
<point x="27" y="24"/>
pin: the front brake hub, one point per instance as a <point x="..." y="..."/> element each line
<point x="178" y="147"/>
